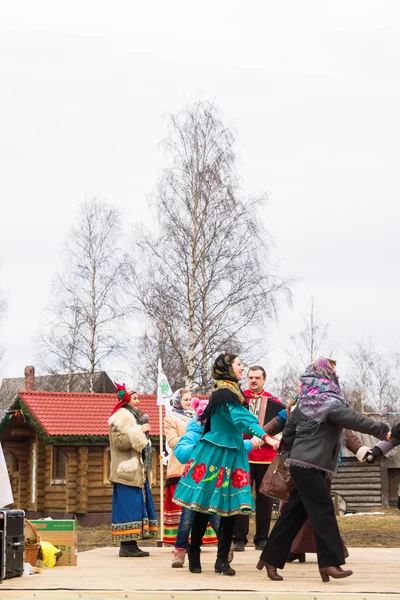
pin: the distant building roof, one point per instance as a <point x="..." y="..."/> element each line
<point x="62" y="416"/>
<point x="78" y="382"/>
<point x="71" y="413"/>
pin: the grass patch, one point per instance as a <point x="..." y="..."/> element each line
<point x="366" y="531"/>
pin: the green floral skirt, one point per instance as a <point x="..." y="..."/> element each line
<point x="216" y="480"/>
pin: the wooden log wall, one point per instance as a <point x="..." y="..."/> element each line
<point x="40" y="475"/>
<point x="20" y="478"/>
<point x="82" y="480"/>
<point x="360" y="484"/>
<point x="99" y="490"/>
<point x="86" y="489"/>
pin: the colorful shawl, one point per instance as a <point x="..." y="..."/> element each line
<point x="319" y="391"/>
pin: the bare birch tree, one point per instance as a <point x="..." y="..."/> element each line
<point x="312" y="340"/>
<point x="310" y="343"/>
<point x="88" y="310"/>
<point x="373" y="380"/>
<point x="359" y="378"/>
<point x="205" y="278"/>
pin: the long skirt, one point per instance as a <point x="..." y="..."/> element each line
<point x="216" y="480"/>
<point x="133" y="513"/>
<point x="172" y="515"/>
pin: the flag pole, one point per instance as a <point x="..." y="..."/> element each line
<point x="161" y="477"/>
<point x="164" y="394"/>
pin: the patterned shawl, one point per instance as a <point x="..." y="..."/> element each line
<point x="319" y="391"/>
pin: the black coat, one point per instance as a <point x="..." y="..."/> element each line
<point x="319" y="448"/>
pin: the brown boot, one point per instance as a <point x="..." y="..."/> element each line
<point x="271" y="570"/>
<point x="334" y="572"/>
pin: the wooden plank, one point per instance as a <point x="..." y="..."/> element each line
<point x="362" y="493"/>
<point x="357" y="486"/>
<point x="363" y="470"/>
<point x="100" y="491"/>
<point x="351" y="480"/>
<point x="102" y="575"/>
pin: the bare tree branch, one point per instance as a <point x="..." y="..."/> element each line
<point x="88" y="310"/>
<point x="204" y="276"/>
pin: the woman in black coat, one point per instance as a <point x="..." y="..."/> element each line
<point x="313" y="438"/>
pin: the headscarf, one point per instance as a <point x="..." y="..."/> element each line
<point x="225" y="378"/>
<point x="176" y="402"/>
<point x="319" y="391"/>
<point x="224" y="375"/>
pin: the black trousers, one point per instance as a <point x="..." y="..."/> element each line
<point x="311" y="498"/>
<point x="263" y="510"/>
<point x="225" y="533"/>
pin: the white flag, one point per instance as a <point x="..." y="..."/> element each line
<point x="164" y="392"/>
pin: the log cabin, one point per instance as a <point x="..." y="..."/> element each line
<point x="57" y="452"/>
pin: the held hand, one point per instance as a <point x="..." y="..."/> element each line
<point x="145" y="428"/>
<point x="256" y="443"/>
<point x="389" y="436"/>
<point x="369" y="457"/>
<point x="374" y="454"/>
<point x="274" y="443"/>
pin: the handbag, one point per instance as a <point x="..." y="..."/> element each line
<point x="277" y="482"/>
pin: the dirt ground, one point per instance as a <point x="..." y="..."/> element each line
<point x="362" y="531"/>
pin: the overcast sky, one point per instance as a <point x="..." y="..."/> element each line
<point x="312" y="89"/>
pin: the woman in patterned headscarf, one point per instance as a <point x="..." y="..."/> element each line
<point x="175" y="428"/>
<point x="216" y="479"/>
<point x="313" y="438"/>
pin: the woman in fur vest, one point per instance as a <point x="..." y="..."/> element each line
<point x="133" y="512"/>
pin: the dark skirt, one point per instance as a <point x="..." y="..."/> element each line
<point x="133" y="513"/>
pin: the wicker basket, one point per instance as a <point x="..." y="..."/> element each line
<point x="32" y="543"/>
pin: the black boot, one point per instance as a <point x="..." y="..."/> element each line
<point x="224" y="544"/>
<point x="194" y="560"/>
<point x="131" y="550"/>
<point x="222" y="565"/>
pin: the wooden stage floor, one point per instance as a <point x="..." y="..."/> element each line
<point x="102" y="575"/>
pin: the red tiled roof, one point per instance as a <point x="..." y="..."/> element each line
<point x="72" y="413"/>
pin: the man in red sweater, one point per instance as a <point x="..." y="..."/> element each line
<point x="265" y="407"/>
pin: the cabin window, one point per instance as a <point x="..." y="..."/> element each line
<point x="59" y="466"/>
<point x="106" y="465"/>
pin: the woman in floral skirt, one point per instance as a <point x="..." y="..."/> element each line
<point x="217" y="479"/>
